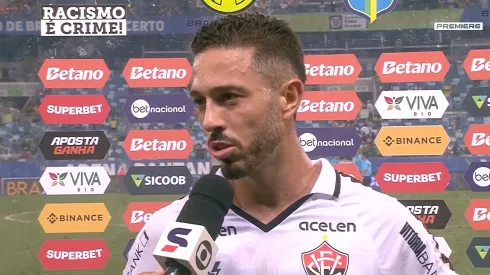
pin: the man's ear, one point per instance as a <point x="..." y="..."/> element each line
<point x="291" y="93"/>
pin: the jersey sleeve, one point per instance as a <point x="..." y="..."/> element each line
<point x="140" y="256"/>
<point x="406" y="247"/>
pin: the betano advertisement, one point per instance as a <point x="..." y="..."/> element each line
<point x="158" y="163"/>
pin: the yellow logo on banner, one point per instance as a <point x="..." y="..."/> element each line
<point x="228" y="6"/>
<point x="74" y="218"/>
<point x="412" y="140"/>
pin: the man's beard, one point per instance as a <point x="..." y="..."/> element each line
<point x="267" y="138"/>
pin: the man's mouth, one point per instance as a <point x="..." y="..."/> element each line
<point x="220" y="149"/>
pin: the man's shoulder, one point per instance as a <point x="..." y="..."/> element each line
<point x="369" y="201"/>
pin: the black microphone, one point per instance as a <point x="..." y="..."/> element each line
<point x="187" y="246"/>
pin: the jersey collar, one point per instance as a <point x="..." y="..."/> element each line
<point x="328" y="182"/>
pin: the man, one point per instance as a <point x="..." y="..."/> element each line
<point x="291" y="215"/>
<point x="365" y="167"/>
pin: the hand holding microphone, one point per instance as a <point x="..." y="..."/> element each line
<point x="187" y="246"/>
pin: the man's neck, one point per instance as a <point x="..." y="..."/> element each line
<point x="282" y="179"/>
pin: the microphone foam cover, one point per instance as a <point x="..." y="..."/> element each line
<point x="209" y="202"/>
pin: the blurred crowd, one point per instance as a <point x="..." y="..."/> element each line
<point x="21" y="127"/>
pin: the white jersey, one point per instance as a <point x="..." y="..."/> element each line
<point x="341" y="228"/>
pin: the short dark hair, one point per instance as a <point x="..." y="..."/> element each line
<point x="278" y="52"/>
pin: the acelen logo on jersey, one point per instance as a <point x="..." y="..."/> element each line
<point x="412" y="67"/>
<point x="433" y="213"/>
<point x="478" y="214"/>
<point x="158" y="180"/>
<point x="74" y="109"/>
<point x="477" y="102"/>
<point x="412" y="140"/>
<point x="158" y="144"/>
<point x="477" y="64"/>
<point x="477" y="139"/>
<point x="336" y="105"/>
<point x="83" y="145"/>
<point x="157" y="72"/>
<point x="478" y="176"/>
<point x="73" y="254"/>
<point x="331" y="69"/>
<point x="411" y="104"/>
<point x="138" y="213"/>
<point x="74" y="73"/>
<point x="413" y="177"/>
<point x="92" y="180"/>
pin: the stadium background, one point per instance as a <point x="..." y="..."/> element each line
<point x="408" y="28"/>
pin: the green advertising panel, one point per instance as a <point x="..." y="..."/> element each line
<point x="418" y="19"/>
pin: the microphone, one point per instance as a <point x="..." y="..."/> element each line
<point x="186" y="247"/>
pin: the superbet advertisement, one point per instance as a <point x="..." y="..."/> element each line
<point x="91" y="254"/>
<point x="413" y="177"/>
<point x="74" y="109"/>
<point x="112" y="133"/>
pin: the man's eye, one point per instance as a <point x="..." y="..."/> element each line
<point x="198" y="101"/>
<point x="227" y="97"/>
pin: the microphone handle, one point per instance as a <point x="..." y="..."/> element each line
<point x="175" y="268"/>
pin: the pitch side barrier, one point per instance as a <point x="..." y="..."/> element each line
<point x="198" y="167"/>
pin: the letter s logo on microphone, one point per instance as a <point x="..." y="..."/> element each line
<point x="203" y="255"/>
<point x="174" y="236"/>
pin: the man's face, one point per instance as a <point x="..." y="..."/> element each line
<point x="237" y="110"/>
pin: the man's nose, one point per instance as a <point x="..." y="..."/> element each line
<point x="213" y="119"/>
